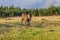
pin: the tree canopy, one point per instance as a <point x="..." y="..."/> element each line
<point x="17" y="11"/>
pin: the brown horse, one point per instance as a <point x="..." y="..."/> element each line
<point x="26" y="18"/>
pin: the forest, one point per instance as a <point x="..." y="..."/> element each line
<point x="17" y="11"/>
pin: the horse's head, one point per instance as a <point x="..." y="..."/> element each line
<point x="30" y="16"/>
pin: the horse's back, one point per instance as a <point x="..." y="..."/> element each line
<point x="24" y="16"/>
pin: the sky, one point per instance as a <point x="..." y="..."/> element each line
<point x="29" y="3"/>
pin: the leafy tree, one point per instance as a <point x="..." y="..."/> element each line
<point x="17" y="11"/>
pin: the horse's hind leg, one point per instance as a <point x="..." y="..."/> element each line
<point x="22" y="21"/>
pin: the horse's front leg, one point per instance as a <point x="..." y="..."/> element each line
<point x="28" y="22"/>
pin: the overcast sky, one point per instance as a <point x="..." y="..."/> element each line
<point x="22" y="3"/>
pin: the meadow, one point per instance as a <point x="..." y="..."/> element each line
<point x="41" y="28"/>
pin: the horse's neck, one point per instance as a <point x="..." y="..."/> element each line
<point x="28" y="15"/>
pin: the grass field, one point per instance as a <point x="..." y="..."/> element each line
<point x="41" y="28"/>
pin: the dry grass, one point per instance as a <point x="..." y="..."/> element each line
<point x="41" y="28"/>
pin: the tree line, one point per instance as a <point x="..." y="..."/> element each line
<point x="17" y="11"/>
